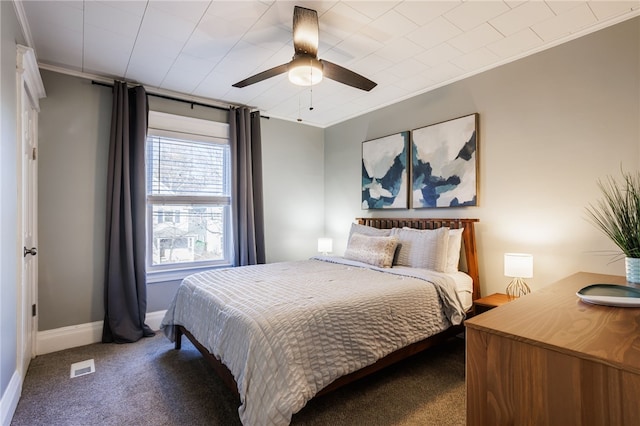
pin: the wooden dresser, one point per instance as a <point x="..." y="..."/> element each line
<point x="550" y="359"/>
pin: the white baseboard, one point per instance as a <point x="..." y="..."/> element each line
<point x="68" y="337"/>
<point x="83" y="334"/>
<point x="10" y="399"/>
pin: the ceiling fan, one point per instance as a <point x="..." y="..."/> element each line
<point x="305" y="69"/>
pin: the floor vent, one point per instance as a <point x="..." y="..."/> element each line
<point x="82" y="368"/>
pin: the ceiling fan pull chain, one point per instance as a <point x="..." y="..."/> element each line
<point x="310" y="87"/>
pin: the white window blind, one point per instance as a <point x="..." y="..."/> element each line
<point x="187" y="168"/>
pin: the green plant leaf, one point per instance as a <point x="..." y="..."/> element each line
<point x="617" y="214"/>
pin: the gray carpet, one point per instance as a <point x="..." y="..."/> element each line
<point x="149" y="383"/>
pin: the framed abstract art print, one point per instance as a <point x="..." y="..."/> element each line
<point x="384" y="172"/>
<point x="444" y="164"/>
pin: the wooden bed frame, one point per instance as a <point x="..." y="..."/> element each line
<point x="469" y="264"/>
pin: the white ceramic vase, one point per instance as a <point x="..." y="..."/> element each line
<point x="632" y="265"/>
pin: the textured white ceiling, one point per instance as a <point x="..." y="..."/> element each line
<point x="200" y="48"/>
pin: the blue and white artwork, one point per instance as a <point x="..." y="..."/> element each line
<point x="384" y="172"/>
<point x="444" y="162"/>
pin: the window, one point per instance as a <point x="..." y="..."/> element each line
<point x="188" y="195"/>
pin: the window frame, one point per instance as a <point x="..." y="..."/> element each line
<point x="197" y="130"/>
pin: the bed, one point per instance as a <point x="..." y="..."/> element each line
<point x="281" y="334"/>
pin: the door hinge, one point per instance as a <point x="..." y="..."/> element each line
<point x="33" y="154"/>
<point x="33" y="310"/>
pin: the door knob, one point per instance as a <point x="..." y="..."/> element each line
<point x="32" y="251"/>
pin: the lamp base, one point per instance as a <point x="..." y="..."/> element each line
<point x="516" y="288"/>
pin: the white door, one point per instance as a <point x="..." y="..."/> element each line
<point x="29" y="234"/>
<point x="30" y="90"/>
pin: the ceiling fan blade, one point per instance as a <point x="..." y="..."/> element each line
<point x="305" y="31"/>
<point x="345" y="76"/>
<point x="280" y="69"/>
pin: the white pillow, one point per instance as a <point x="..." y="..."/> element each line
<point x="374" y="250"/>
<point x="422" y="248"/>
<point x="453" y="250"/>
<point x="368" y="230"/>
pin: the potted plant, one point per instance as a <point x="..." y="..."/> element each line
<point x="617" y="214"/>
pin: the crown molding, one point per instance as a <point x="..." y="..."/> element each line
<point x="24" y="23"/>
<point x="150" y="89"/>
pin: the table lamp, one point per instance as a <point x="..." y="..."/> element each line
<point x="518" y="266"/>
<point x="325" y="245"/>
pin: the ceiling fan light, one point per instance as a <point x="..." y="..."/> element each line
<point x="305" y="71"/>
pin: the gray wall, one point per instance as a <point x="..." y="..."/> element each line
<point x="550" y="126"/>
<point x="293" y="158"/>
<point x="10" y="35"/>
<point x="74" y="138"/>
<point x="74" y="148"/>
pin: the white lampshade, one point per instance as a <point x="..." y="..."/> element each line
<point x="325" y="245"/>
<point x="518" y="265"/>
<point x="305" y="71"/>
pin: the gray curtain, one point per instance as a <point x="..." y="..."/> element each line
<point x="125" y="293"/>
<point x="246" y="187"/>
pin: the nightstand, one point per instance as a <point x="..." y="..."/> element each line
<point x="487" y="303"/>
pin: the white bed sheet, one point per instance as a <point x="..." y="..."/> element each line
<point x="464" y="288"/>
<point x="462" y="281"/>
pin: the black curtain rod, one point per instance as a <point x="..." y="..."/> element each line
<point x="171" y="98"/>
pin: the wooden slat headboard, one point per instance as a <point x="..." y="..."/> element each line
<point x="468" y="237"/>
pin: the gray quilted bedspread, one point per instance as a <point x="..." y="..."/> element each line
<point x="286" y="330"/>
